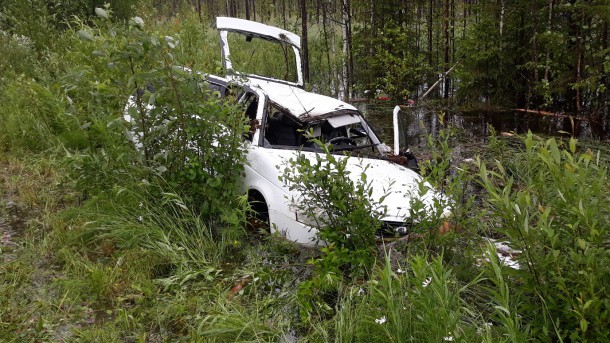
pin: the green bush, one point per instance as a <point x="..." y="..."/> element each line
<point x="187" y="137"/>
<point x="555" y="209"/>
<point x="346" y="220"/>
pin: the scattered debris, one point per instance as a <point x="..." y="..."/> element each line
<point x="506" y="254"/>
<point x="239" y="286"/>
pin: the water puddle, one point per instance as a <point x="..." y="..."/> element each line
<point x="474" y="126"/>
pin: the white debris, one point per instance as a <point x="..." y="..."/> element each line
<point x="505" y="253"/>
<point x="426" y="282"/>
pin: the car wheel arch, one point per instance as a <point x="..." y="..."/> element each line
<point x="259" y="206"/>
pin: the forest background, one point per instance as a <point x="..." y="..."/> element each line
<point x="550" y="55"/>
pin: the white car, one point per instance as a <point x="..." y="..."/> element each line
<point x="280" y="112"/>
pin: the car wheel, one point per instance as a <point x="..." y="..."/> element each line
<point x="258" y="216"/>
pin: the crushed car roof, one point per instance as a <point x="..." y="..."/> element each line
<point x="299" y="102"/>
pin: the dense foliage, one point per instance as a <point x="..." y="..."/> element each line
<point x="554" y="208"/>
<point x="550" y="55"/>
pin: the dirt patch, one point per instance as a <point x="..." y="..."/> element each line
<point x="12" y="224"/>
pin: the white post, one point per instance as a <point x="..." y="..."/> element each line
<point x="396" y="135"/>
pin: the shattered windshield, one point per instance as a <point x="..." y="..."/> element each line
<point x="269" y="58"/>
<point x="345" y="132"/>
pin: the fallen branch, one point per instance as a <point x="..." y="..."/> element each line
<point x="443" y="76"/>
<point x="547" y="113"/>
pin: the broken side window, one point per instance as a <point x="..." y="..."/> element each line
<point x="250" y="104"/>
<point x="282" y="128"/>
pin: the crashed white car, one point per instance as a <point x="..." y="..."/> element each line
<point x="282" y="111"/>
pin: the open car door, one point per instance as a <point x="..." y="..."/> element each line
<point x="260" y="51"/>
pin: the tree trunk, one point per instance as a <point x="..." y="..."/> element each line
<point x="373" y="27"/>
<point x="549" y="28"/>
<point x="345" y="58"/>
<point x="430" y="11"/>
<point x="446" y="60"/>
<point x="331" y="68"/>
<point x="349" y="49"/>
<point x="247" y="9"/>
<point x="464" y="15"/>
<point x="605" y="80"/>
<point x="304" y="45"/>
<point x="337" y="83"/>
<point x="212" y="9"/>
<point x="501" y="17"/>
<point x="452" y="36"/>
<point x="284" y="13"/>
<point x="418" y="32"/>
<point x="578" y="70"/>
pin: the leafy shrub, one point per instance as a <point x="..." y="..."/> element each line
<point x="452" y="182"/>
<point x="184" y="135"/>
<point x="555" y="210"/>
<point x="340" y="208"/>
<point x="18" y="56"/>
<point x="346" y="219"/>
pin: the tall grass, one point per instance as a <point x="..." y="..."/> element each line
<point x="419" y="301"/>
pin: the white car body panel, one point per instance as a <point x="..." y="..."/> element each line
<point x="247" y="26"/>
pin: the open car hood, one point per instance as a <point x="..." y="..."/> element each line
<point x="253" y="29"/>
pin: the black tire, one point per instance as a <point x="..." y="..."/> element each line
<point x="258" y="216"/>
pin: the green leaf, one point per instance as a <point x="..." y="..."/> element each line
<point x="101" y="13"/>
<point x="584" y="325"/>
<point x="587" y="304"/>
<point x="554" y="150"/>
<point x="128" y="134"/>
<point x="573" y="145"/>
<point x="84" y="35"/>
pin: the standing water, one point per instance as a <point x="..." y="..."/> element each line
<point x="475" y="126"/>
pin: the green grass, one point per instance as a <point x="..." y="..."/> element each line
<point x="122" y="266"/>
